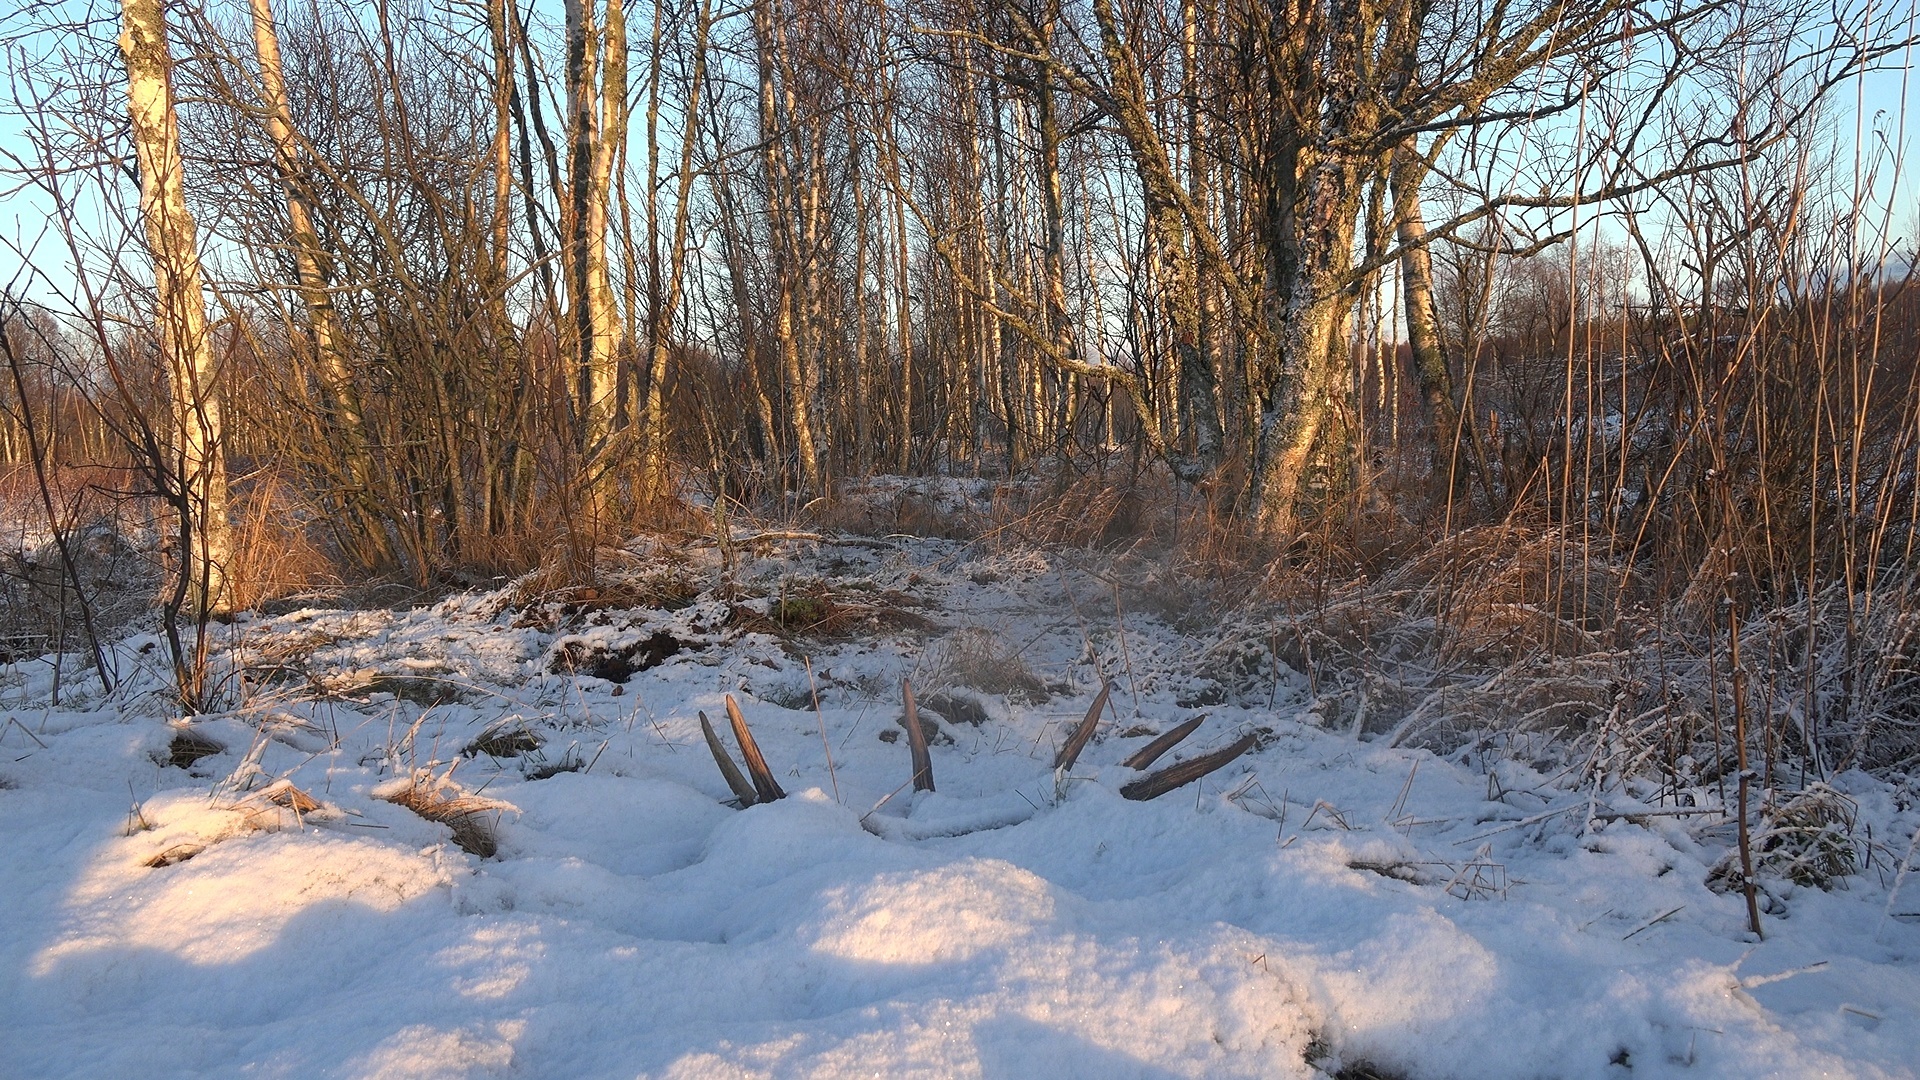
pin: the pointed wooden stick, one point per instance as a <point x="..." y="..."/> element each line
<point x="764" y="785"/>
<point x="917" y="742"/>
<point x="1076" y="742"/>
<point x="741" y="789"/>
<point x="1151" y="752"/>
<point x="1174" y="776"/>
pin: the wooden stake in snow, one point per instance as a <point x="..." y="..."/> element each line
<point x="1151" y="752"/>
<point x="764" y="786"/>
<point x="917" y="742"/>
<point x="741" y="789"/>
<point x="1175" y="776"/>
<point x="1076" y="742"/>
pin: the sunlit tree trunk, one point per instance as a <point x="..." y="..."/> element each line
<point x="668" y="304"/>
<point x="597" y="98"/>
<point x="1429" y="356"/>
<point x="1302" y="394"/>
<point x="197" y="467"/>
<point x="340" y="394"/>
<point x="776" y="160"/>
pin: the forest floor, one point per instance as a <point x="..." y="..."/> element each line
<point x="487" y="838"/>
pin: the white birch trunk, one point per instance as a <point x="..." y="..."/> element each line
<point x="197" y="464"/>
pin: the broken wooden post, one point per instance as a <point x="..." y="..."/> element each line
<point x="1174" y="776"/>
<point x="917" y="742"/>
<point x="1076" y="742"/>
<point x="741" y="789"/>
<point x="1151" y="752"/>
<point x="764" y="786"/>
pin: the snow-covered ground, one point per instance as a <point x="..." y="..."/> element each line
<point x="1321" y="906"/>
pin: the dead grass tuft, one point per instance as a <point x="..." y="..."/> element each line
<point x="188" y="746"/>
<point x="822" y="610"/>
<point x="556" y="593"/>
<point x="173" y="855"/>
<point x="1807" y="839"/>
<point x="1101" y="509"/>
<point x="437" y="798"/>
<point x="270" y="809"/>
<point x="275" y="552"/>
<point x="976" y="657"/>
<point x="504" y="740"/>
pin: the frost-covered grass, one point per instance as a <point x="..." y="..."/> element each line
<point x="1331" y="901"/>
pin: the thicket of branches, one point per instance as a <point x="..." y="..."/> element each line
<point x="1366" y="276"/>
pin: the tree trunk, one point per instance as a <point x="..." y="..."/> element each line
<point x="197" y="469"/>
<point x="669" y="304"/>
<point x="1424" y="342"/>
<point x="340" y="394"/>
<point x="1314" y="197"/>
<point x="597" y="95"/>
<point x="781" y="211"/>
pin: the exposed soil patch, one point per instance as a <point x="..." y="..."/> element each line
<point x="955" y="708"/>
<point x="928" y="727"/>
<point x="421" y="690"/>
<point x="617" y="665"/>
<point x="504" y="743"/>
<point x="189" y="746"/>
<point x="816" y="609"/>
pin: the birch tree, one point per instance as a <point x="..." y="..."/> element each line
<point x="596" y="137"/>
<point x="340" y="395"/>
<point x="195" y="480"/>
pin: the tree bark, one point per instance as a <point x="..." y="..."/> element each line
<point x="781" y="211"/>
<point x="1424" y="341"/>
<point x="339" y="392"/>
<point x="597" y="96"/>
<point x="197" y="468"/>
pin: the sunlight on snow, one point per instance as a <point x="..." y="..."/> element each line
<point x="944" y="915"/>
<point x="497" y="960"/>
<point x="421" y="1052"/>
<point x="1420" y="971"/>
<point x="234" y="899"/>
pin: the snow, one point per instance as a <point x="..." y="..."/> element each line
<point x="1321" y="903"/>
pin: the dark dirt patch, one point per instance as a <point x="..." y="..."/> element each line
<point x="188" y="747"/>
<point x="422" y="690"/>
<point x="504" y="742"/>
<point x="617" y="665"/>
<point x="1203" y="697"/>
<point x="956" y="708"/>
<point x="928" y="727"/>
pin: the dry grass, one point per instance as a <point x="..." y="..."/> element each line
<point x="189" y="746"/>
<point x="505" y="739"/>
<point x="270" y="809"/>
<point x="978" y="658"/>
<point x="1807" y="839"/>
<point x="562" y="588"/>
<point x="1101" y="509"/>
<point x="275" y="552"/>
<point x="819" y="609"/>
<point x="437" y="798"/>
